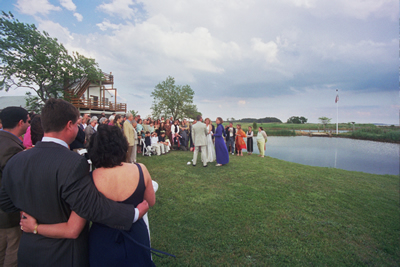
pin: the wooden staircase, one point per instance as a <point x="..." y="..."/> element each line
<point x="75" y="92"/>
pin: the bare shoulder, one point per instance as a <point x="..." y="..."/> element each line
<point x="142" y="166"/>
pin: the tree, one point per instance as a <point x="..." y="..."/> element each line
<point x="294" y="119"/>
<point x="173" y="100"/>
<point x="33" y="103"/>
<point x="32" y="59"/>
<point x="255" y="126"/>
<point x="324" y="121"/>
<point x="133" y="112"/>
<point x="303" y="120"/>
<point x="297" y="120"/>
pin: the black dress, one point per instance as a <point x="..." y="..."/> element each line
<point x="110" y="247"/>
<point x="250" y="142"/>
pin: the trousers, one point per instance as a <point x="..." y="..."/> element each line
<point x="203" y="154"/>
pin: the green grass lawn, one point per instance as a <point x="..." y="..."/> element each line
<point x="268" y="212"/>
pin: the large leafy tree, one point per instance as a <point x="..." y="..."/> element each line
<point x="173" y="100"/>
<point x="34" y="60"/>
<point x="297" y="120"/>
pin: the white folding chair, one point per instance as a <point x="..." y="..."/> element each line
<point x="145" y="150"/>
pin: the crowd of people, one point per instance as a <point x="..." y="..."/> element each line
<point x="149" y="136"/>
<point x="48" y="192"/>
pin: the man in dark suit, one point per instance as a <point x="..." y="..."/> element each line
<point x="48" y="182"/>
<point x="79" y="141"/>
<point x="15" y="121"/>
<point x="230" y="132"/>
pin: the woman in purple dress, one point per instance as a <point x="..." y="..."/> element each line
<point x="220" y="148"/>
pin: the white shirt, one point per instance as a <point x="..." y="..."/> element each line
<point x="55" y="140"/>
<point x="231" y="131"/>
<point x="154" y="140"/>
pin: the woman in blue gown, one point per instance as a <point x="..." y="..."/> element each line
<point x="220" y="147"/>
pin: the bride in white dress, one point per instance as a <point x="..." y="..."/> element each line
<point x="210" y="145"/>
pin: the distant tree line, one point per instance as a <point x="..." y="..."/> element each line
<point x="263" y="120"/>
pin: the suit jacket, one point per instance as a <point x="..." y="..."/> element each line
<point x="79" y="140"/>
<point x="47" y="182"/>
<point x="10" y="145"/>
<point x="130" y="133"/>
<point x="199" y="133"/>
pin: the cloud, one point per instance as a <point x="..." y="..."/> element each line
<point x="359" y="9"/>
<point x="33" y="7"/>
<point x="78" y="16"/>
<point x="268" y="50"/>
<point x="242" y="102"/>
<point x="68" y="4"/>
<point x="304" y="3"/>
<point x="285" y="55"/>
<point x="63" y="35"/>
<point x="166" y="51"/>
<point x="126" y="9"/>
<point x="106" y="24"/>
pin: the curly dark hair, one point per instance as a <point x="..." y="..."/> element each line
<point x="107" y="147"/>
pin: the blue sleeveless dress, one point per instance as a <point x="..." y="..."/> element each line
<point x="110" y="247"/>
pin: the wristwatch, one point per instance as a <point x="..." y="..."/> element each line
<point x="35" y="230"/>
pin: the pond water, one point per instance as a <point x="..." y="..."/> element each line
<point x="341" y="153"/>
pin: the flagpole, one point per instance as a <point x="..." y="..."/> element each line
<point x="337" y="112"/>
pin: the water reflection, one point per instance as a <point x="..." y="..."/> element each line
<point x="342" y="153"/>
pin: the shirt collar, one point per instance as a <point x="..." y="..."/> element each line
<point x="55" y="140"/>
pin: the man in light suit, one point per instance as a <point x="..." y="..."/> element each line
<point x="50" y="181"/>
<point x="199" y="133"/>
<point x="131" y="137"/>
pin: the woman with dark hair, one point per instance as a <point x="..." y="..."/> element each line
<point x="175" y="133"/>
<point x="119" y="181"/>
<point x="261" y="141"/>
<point x="249" y="141"/>
<point x="117" y="121"/>
<point x="161" y="128"/>
<point x="221" y="151"/>
<point x="157" y="125"/>
<point x="27" y="141"/>
<point x="37" y="130"/>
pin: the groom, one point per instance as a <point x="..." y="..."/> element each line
<point x="199" y="133"/>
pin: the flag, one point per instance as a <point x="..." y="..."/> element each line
<point x="337" y="98"/>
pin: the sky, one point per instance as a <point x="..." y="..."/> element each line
<point x="242" y="58"/>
